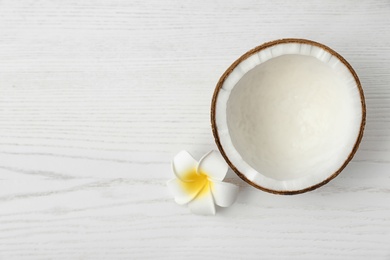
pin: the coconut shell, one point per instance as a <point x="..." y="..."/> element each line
<point x="255" y="50"/>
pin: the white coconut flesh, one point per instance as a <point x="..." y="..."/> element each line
<point x="288" y="117"/>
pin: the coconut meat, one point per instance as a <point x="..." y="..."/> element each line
<point x="288" y="121"/>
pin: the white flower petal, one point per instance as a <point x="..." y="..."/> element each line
<point x="213" y="165"/>
<point x="224" y="193"/>
<point x="184" y="166"/>
<point x="184" y="192"/>
<point x="203" y="204"/>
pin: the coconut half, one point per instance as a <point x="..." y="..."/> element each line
<point x="288" y="115"/>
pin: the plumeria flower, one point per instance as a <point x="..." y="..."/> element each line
<point x="200" y="184"/>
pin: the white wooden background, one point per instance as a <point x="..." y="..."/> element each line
<point x="96" y="97"/>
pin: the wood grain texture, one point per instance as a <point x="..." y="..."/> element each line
<point x="96" y="97"/>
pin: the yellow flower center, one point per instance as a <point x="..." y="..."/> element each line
<point x="199" y="183"/>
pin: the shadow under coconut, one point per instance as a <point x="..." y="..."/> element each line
<point x="375" y="81"/>
<point x="375" y="144"/>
